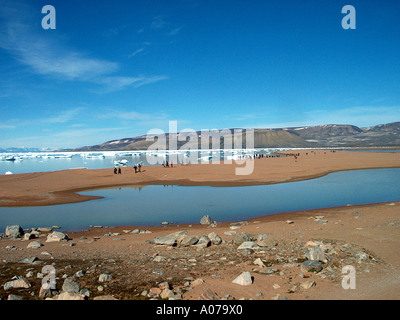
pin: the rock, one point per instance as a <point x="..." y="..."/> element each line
<point x="34" y="245"/>
<point x="238" y="224"/>
<point x="215" y="239"/>
<point x="164" y="285"/>
<point x="261" y="237"/>
<point x="154" y="292"/>
<point x="168" y="241"/>
<point x="70" y="296"/>
<point x="276" y="286"/>
<point x="171" y="239"/>
<point x="79" y="273"/>
<point x="17" y="284"/>
<point x="29" y="260"/>
<point x="45" y="293"/>
<point x="315" y="253"/>
<point x="30" y="274"/>
<point x="230" y="233"/>
<point x="259" y="262"/>
<point x="159" y="259"/>
<point x="242" y="237"/>
<point x="203" y="242"/>
<point x="269" y="270"/>
<point x="105" y="297"/>
<point x="70" y="285"/>
<point x="189" y="241"/>
<point x="308" y="284"/>
<point x="289" y="221"/>
<point x="158" y="272"/>
<point x="14" y="297"/>
<point x="56" y="237"/>
<point x="164" y="223"/>
<point x="267" y="242"/>
<point x="248" y="245"/>
<point x="206" y="220"/>
<point x="244" y="279"/>
<point x="209" y="295"/>
<point x="311" y="266"/>
<point x="166" y="293"/>
<point x="104" y="277"/>
<point x="44" y="230"/>
<point x="197" y="282"/>
<point x="361" y="256"/>
<point x="29" y="236"/>
<point x="14" y="231"/>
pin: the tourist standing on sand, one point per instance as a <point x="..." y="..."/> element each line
<point x="119" y="170"/>
<point x="115" y="170"/>
<point x="140" y="167"/>
<point x="135" y="167"/>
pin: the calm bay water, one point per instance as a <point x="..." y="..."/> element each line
<point x="151" y="205"/>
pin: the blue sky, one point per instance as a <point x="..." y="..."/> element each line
<point x="116" y="69"/>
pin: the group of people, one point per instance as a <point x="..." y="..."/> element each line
<point x="137" y="167"/>
<point x="167" y="164"/>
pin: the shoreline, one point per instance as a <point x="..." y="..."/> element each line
<point x="61" y="187"/>
<point x="363" y="236"/>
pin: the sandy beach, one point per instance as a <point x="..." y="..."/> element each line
<point x="50" y="188"/>
<point x="131" y="262"/>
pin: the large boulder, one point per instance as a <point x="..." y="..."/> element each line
<point x="215" y="239"/>
<point x="311" y="266"/>
<point x="189" y="241"/>
<point x="206" y="220"/>
<point x="315" y="253"/>
<point x="70" y="285"/>
<point x="248" y="245"/>
<point x="242" y="237"/>
<point x="171" y="239"/>
<point x="14" y="231"/>
<point x="56" y="237"/>
<point x="17" y="284"/>
<point x="68" y="295"/>
<point x="244" y="279"/>
<point x="203" y="242"/>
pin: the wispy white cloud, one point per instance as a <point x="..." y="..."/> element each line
<point x="64" y="116"/>
<point x="158" y="22"/>
<point x="115" y="83"/>
<point x="47" y="56"/>
<point x="5" y="126"/>
<point x="175" y="31"/>
<point x="132" y="115"/>
<point x="136" y="52"/>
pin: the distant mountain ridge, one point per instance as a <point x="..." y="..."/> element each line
<point x="19" y="150"/>
<point x="331" y="135"/>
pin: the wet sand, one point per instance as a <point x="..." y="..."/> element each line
<point x="59" y="187"/>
